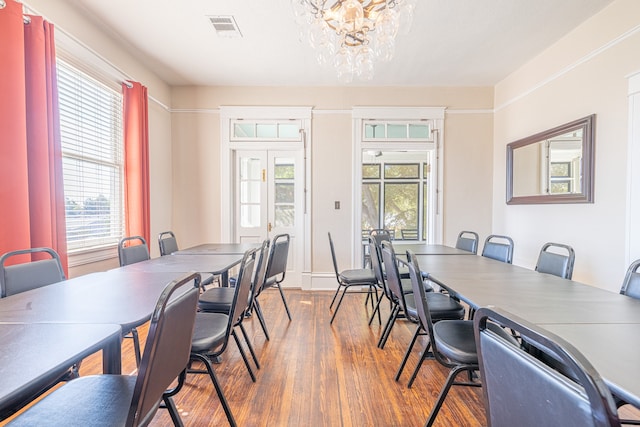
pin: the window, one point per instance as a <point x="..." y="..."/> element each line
<point x="396" y="199"/>
<point x="92" y="160"/>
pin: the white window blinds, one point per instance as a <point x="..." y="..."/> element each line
<point x="92" y="156"/>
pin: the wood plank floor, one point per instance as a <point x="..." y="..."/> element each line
<point x="314" y="374"/>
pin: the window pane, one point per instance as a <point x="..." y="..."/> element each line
<point x="374" y="131"/>
<point x="244" y="130"/>
<point x="284" y="193"/>
<point x="397" y="131"/>
<point x="399" y="170"/>
<point x="370" y="206"/>
<point x="289" y="131"/>
<point x="425" y="204"/>
<point x="92" y="159"/>
<point x="267" y="130"/>
<point x="250" y="169"/>
<point x="284" y="171"/>
<point x="371" y="171"/>
<point x="250" y="192"/>
<point x="284" y="216"/>
<point x="419" y="131"/>
<point x="401" y="206"/>
<point x="250" y="216"/>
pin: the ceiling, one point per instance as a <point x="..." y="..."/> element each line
<point x="451" y="42"/>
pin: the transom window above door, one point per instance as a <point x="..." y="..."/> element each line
<point x="286" y="130"/>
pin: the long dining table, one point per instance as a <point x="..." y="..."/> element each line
<point x="603" y="325"/>
<point x="45" y="330"/>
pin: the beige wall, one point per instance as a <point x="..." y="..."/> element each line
<point x="196" y="139"/>
<point x="583" y="73"/>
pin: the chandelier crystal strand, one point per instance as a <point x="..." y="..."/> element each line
<point x="353" y="34"/>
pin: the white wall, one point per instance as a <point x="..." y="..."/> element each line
<point x="583" y="73"/>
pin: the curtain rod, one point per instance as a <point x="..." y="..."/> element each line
<point x="121" y="77"/>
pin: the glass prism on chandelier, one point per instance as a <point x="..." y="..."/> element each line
<point x="353" y="34"/>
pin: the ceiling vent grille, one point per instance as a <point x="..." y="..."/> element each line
<point x="225" y="26"/>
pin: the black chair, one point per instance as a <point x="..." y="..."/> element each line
<point x="259" y="286"/>
<point x="499" y="248"/>
<point x="277" y="266"/>
<point x="347" y="279"/>
<point x="521" y="390"/>
<point x="468" y="241"/>
<point x="168" y="244"/>
<point x="379" y="235"/>
<point x="550" y="261"/>
<point x="631" y="284"/>
<point x="212" y="331"/>
<point x="219" y="300"/>
<point x="452" y="345"/>
<point x="409" y="233"/>
<point x="131" y="250"/>
<point x="441" y="307"/>
<point x="124" y="400"/>
<point x="34" y="274"/>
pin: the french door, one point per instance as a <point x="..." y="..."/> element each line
<point x="269" y="200"/>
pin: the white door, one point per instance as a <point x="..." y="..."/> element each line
<point x="269" y="201"/>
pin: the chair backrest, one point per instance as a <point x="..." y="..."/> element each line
<point x="631" y="283"/>
<point x="376" y="266"/>
<point x="420" y="297"/>
<point x="29" y="275"/>
<point x="167" y="242"/>
<point x="553" y="262"/>
<point x="499" y="248"/>
<point x="278" y="255"/>
<point x="409" y="234"/>
<point x="129" y="253"/>
<point x="468" y="241"/>
<point x="243" y="287"/>
<point x="333" y="257"/>
<point x="393" y="275"/>
<point x="381" y="234"/>
<point x="521" y="390"/>
<point x="167" y="349"/>
<point x="260" y="270"/>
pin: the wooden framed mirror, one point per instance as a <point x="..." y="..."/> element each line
<point x="554" y="166"/>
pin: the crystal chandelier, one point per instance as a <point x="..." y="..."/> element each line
<point x="352" y="34"/>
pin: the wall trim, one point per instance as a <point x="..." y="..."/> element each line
<point x="571" y="67"/>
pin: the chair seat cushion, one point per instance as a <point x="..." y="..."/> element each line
<point x="441" y="307"/>
<point x="407" y="287"/>
<point x="456" y="341"/>
<point x="97" y="400"/>
<point x="358" y="276"/>
<point x="216" y="300"/>
<point x="209" y="331"/>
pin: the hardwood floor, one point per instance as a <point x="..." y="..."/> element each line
<point x="314" y="374"/>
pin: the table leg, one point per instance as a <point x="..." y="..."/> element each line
<point x="112" y="357"/>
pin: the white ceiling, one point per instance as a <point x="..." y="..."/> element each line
<point x="451" y="42"/>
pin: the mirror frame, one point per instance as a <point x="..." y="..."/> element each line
<point x="587" y="124"/>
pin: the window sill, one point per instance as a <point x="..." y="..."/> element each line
<point x="89" y="256"/>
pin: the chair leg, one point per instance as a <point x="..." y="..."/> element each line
<point x="408" y="352"/>
<point x="392" y="319"/>
<point x="246" y="339"/>
<point x="335" y="295"/>
<point x="284" y="301"/>
<point x="338" y="306"/>
<point x="376" y="309"/>
<point x="445" y="390"/>
<point x="258" y="311"/>
<point x="173" y="411"/>
<point x="244" y="355"/>
<point x="216" y="385"/>
<point x="424" y="356"/>
<point x="136" y="346"/>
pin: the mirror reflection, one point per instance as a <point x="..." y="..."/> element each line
<point x="554" y="166"/>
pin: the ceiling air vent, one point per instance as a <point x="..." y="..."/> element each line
<point x="225" y="26"/>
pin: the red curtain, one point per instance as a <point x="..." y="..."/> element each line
<point x="136" y="160"/>
<point x="31" y="187"/>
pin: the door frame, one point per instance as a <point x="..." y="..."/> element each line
<point x="227" y="147"/>
<point x="435" y="115"/>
